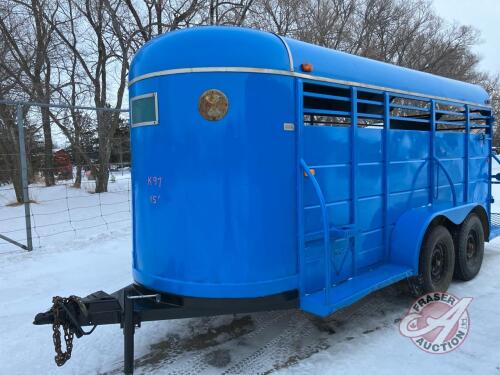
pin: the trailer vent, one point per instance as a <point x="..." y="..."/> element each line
<point x="370" y="108"/>
<point x="450" y="118"/>
<point x="480" y="121"/>
<point x="409" y="113"/>
<point x="326" y="105"/>
<point x="329" y="105"/>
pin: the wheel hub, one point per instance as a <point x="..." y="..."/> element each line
<point x="471" y="249"/>
<point x="438" y="262"/>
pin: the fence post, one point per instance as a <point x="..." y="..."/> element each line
<point x="24" y="175"/>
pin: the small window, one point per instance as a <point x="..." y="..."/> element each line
<point x="144" y="110"/>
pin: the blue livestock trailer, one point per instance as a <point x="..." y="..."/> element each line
<point x="271" y="173"/>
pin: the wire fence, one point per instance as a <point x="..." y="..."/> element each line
<point x="64" y="171"/>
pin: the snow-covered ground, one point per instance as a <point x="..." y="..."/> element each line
<point x="363" y="338"/>
<point x="62" y="213"/>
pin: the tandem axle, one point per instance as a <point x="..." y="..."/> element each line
<point x="134" y="304"/>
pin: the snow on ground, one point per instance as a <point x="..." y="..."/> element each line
<point x="62" y="213"/>
<point x="363" y="338"/>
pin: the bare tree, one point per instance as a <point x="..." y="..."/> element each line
<point x="492" y="85"/>
<point x="79" y="50"/>
<point x="9" y="160"/>
<point x="10" y="170"/>
<point x="76" y="88"/>
<point x="224" y="12"/>
<point x="152" y="18"/>
<point x="97" y="54"/>
<point x="278" y="16"/>
<point x="31" y="52"/>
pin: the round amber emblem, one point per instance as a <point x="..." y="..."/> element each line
<point x="213" y="105"/>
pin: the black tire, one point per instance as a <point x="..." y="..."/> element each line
<point x="470" y="248"/>
<point x="437" y="261"/>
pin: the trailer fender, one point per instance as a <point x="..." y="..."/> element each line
<point x="410" y="229"/>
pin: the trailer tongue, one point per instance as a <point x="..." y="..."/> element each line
<point x="132" y="305"/>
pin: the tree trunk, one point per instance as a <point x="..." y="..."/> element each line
<point x="78" y="178"/>
<point x="18" y="187"/>
<point x="9" y="150"/>
<point x="105" y="130"/>
<point x="48" y="171"/>
<point x="77" y="153"/>
<point x="102" y="178"/>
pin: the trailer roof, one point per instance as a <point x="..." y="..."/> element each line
<point x="215" y="48"/>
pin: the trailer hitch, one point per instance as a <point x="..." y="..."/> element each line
<point x="67" y="311"/>
<point x="134" y="304"/>
<point x="70" y="307"/>
<point x="97" y="308"/>
<point x="72" y="313"/>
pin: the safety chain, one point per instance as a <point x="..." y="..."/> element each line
<point x="62" y="357"/>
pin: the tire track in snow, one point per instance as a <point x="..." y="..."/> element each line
<point x="277" y="340"/>
<point x="196" y="362"/>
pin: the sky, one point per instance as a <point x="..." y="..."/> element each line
<point x="484" y="15"/>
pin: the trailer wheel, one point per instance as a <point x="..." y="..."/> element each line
<point x="437" y="261"/>
<point x="470" y="251"/>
